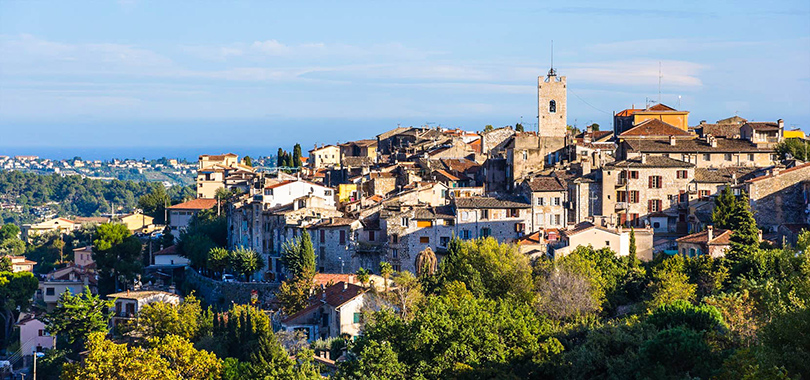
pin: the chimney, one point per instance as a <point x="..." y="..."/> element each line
<point x="597" y="162"/>
<point x="589" y="129"/>
<point x="672" y="140"/>
<point x="586" y="137"/>
<point x="709" y="233"/>
<point x="781" y="124"/>
<point x="759" y="235"/>
<point x="345" y="286"/>
<point x="702" y="122"/>
<point x="643" y="158"/>
<point x="713" y="142"/>
<point x="586" y="165"/>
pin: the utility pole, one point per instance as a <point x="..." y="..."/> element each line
<point x="35" y="365"/>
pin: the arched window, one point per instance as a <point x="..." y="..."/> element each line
<point x="552" y="106"/>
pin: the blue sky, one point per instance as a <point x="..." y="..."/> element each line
<point x="268" y="74"/>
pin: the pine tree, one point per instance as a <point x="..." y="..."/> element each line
<point x="742" y="222"/>
<point x="519" y="127"/>
<point x="724" y="206"/>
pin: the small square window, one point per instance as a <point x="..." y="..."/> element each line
<point x="424" y="240"/>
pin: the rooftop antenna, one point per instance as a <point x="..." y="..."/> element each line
<point x="551" y="71"/>
<point x="659" y="82"/>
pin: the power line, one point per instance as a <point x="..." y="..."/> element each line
<point x="589" y="104"/>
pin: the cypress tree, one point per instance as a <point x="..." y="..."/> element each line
<point x="297" y="155"/>
<point x="633" y="246"/>
<point x="280" y="157"/>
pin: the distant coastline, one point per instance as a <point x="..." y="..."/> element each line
<point x="190" y="153"/>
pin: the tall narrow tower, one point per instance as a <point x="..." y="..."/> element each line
<point x="552" y="115"/>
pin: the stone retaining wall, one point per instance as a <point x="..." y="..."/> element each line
<point x="221" y="294"/>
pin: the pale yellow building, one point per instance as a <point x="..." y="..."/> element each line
<point x="325" y="156"/>
<point x="138" y="222"/>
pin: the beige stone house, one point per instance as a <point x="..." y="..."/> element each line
<point x="710" y="242"/>
<point x="325" y="156"/>
<point x="549" y="199"/>
<point x="333" y="311"/>
<point x="618" y="240"/>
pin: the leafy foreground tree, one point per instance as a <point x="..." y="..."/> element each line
<point x="169" y="358"/>
<point x="487" y="269"/>
<point x="117" y="254"/>
<point x="16" y="291"/>
<point x="454" y="335"/>
<point x="75" y="318"/>
<point x="160" y="319"/>
<point x="10" y="243"/>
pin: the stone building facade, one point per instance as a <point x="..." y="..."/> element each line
<point x="411" y="229"/>
<point x="549" y="198"/>
<point x="652" y="190"/>
<point x="778" y="197"/>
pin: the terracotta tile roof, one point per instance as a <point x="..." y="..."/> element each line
<point x="357" y="161"/>
<point x="275" y="185"/>
<point x="579" y="228"/>
<point x="195" y="204"/>
<point x="694" y="146"/>
<point x="170" y="250"/>
<point x="365" y="142"/>
<point x="489" y="202"/>
<point x="530" y="239"/>
<point x="429" y="213"/>
<point x="660" y="107"/>
<point x="546" y="184"/>
<point x="460" y="165"/>
<point x="336" y="295"/>
<point x="333" y="278"/>
<point x="720" y="130"/>
<point x="447" y="175"/>
<point x="334" y="222"/>
<point x="732" y="120"/>
<point x="724" y="175"/>
<point x="651" y="162"/>
<point x="393" y="132"/>
<point x="721" y="237"/>
<point x="654" y="127"/>
<point x="800" y="167"/>
<point x="91" y="219"/>
<point x="628" y="112"/>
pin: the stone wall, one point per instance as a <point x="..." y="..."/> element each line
<point x="779" y="199"/>
<point x="220" y="294"/>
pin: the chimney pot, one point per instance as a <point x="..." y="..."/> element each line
<point x="672" y="140"/>
<point x="710" y="233"/>
<point x="345" y="286"/>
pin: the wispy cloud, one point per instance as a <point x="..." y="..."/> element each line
<point x="640" y="72"/>
<point x="647" y="12"/>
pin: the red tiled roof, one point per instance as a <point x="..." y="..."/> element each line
<point x="447" y="175"/>
<point x="654" y="127"/>
<point x="273" y="186"/>
<point x="336" y="295"/>
<point x="546" y="184"/>
<point x="533" y="238"/>
<point x="721" y="237"/>
<point x="195" y="204"/>
<point x="629" y="112"/>
<point x="660" y="107"/>
<point x="170" y="250"/>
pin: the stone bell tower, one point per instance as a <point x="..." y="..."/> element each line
<point x="552" y="117"/>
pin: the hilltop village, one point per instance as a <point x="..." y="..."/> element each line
<point x="409" y="190"/>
